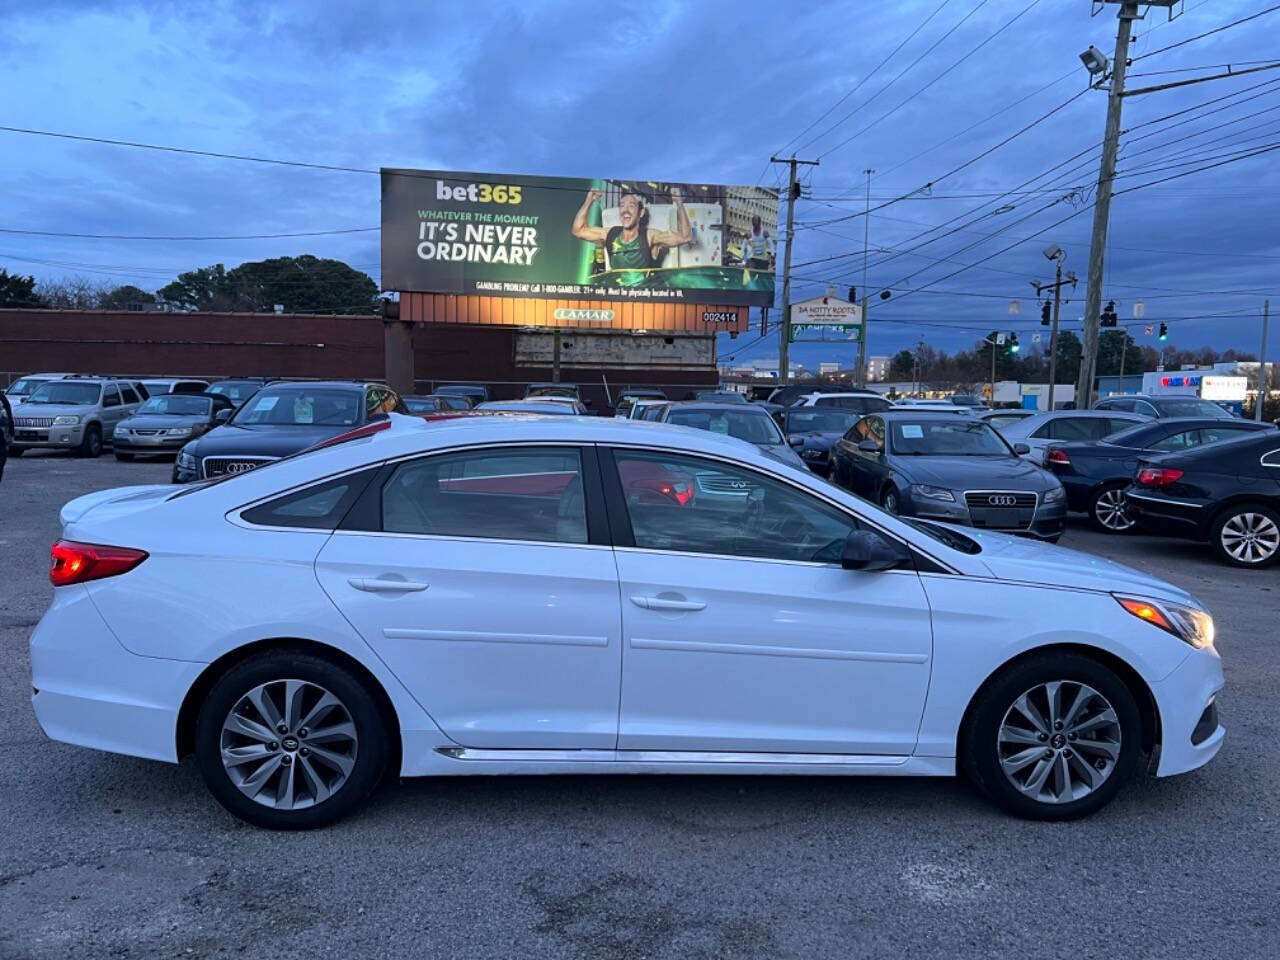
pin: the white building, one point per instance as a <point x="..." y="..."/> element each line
<point x="878" y="368"/>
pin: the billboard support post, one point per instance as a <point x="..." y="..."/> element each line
<point x="784" y="341"/>
<point x="397" y="345"/>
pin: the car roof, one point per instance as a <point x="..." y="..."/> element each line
<point x="326" y="384"/>
<point x="698" y="405"/>
<point x="907" y="413"/>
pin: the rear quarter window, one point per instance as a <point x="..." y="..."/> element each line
<point x="318" y="507"/>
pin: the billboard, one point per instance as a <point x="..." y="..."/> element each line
<point x="502" y="235"/>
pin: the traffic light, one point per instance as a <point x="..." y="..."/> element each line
<point x="1045" y="311"/>
<point x="1164" y="331"/>
<point x="1109" y="318"/>
<point x="853" y="294"/>
<point x="1013" y="343"/>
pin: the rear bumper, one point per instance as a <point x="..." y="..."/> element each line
<point x="89" y="691"/>
<point x="1182" y="698"/>
<point x="1157" y="514"/>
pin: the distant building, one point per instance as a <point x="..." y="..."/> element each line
<point x="878" y="368"/>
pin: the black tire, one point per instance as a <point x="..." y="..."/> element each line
<point x="15" y="451"/>
<point x="980" y="759"/>
<point x="91" y="445"/>
<point x="1241" y="516"/>
<point x="361" y="704"/>
<point x="126" y="457"/>
<point x="889" y="500"/>
<point x="1100" y="509"/>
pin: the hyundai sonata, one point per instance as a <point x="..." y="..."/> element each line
<point x="562" y="595"/>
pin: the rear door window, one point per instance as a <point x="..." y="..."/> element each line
<point x="110" y="396"/>
<point x="128" y="394"/>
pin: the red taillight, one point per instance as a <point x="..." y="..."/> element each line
<point x="368" y="430"/>
<point x="1157" y="476"/>
<point x="80" y="562"/>
<point x="1057" y="456"/>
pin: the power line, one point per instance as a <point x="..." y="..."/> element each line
<point x="1207" y="33"/>
<point x="248" y="236"/>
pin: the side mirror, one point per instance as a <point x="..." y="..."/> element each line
<point x="221" y="417"/>
<point x="1021" y="449"/>
<point x="868" y="446"/>
<point x="868" y="550"/>
<point x="796" y="441"/>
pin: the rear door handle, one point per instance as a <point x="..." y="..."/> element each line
<point x="662" y="603"/>
<point x="380" y="585"/>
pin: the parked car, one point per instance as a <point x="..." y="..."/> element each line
<point x="75" y="413"/>
<point x="553" y="406"/>
<point x="1167" y="406"/>
<point x="165" y="423"/>
<point x="475" y="392"/>
<point x="785" y="396"/>
<point x="155" y="387"/>
<point x="967" y="400"/>
<point x="22" y="388"/>
<point x="646" y="408"/>
<point x="1095" y="475"/>
<point x="719" y="396"/>
<point x="860" y="401"/>
<point x="425" y="574"/>
<point x="551" y="389"/>
<point x="1001" y="418"/>
<point x="1226" y="493"/>
<point x="742" y="420"/>
<point x="813" y="430"/>
<point x="280" y="420"/>
<point x="1038" y="433"/>
<point x="628" y="397"/>
<point x="940" y="406"/>
<point x="237" y="390"/>
<point x="943" y="467"/>
<point x="435" y="403"/>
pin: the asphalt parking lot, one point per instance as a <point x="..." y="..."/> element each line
<point x="104" y="855"/>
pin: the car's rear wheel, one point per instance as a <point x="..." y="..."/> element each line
<point x="1109" y="512"/>
<point x="1247" y="535"/>
<point x="1054" y="737"/>
<point x="91" y="445"/>
<point x="290" y="741"/>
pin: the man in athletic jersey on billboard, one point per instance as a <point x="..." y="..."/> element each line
<point x="632" y="245"/>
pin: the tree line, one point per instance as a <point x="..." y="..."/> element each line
<point x="303" y="284"/>
<point x="933" y="366"/>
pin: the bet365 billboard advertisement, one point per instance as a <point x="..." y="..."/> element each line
<point x="560" y="237"/>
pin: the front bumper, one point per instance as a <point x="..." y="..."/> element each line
<point x="90" y="691"/>
<point x="146" y="445"/>
<point x="1048" y="522"/>
<point x="52" y="437"/>
<point x="1182" y="699"/>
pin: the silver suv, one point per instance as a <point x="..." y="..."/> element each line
<point x="75" y="413"/>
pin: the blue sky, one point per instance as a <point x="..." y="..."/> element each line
<point x="682" y="91"/>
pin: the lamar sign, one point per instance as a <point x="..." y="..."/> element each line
<point x="827" y="313"/>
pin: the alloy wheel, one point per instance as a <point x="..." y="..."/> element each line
<point x="1250" y="537"/>
<point x="890" y="501"/>
<point x="1059" y="742"/>
<point x="1111" y="510"/>
<point x="288" y="744"/>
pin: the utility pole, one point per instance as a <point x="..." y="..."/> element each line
<point x="1124" y="346"/>
<point x="1102" y="206"/>
<point x="784" y="348"/>
<point x="1056" y="286"/>
<point x="866" y="301"/>
<point x="1264" y="382"/>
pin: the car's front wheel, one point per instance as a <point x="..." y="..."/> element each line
<point x="1109" y="512"/>
<point x="290" y="741"/>
<point x="1054" y="737"/>
<point x="1247" y="535"/>
<point x="91" y="445"/>
<point x="889" y="500"/>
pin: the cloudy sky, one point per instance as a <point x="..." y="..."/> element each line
<point x="694" y="91"/>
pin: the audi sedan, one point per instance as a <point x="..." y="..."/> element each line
<point x="489" y="595"/>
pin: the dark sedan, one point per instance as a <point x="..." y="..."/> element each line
<point x="1227" y="494"/>
<point x="1164" y="407"/>
<point x="1096" y="474"/>
<point x="280" y="420"/>
<point x="166" y="423"/>
<point x="435" y="403"/>
<point x="237" y="390"/>
<point x="943" y="467"/>
<point x="813" y="430"/>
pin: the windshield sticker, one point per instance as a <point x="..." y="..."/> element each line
<point x="266" y="403"/>
<point x="912" y="431"/>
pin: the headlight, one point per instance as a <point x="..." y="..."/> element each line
<point x="178" y="432"/>
<point x="1191" y="624"/>
<point x="812" y="454"/>
<point x="67" y="421"/>
<point x="120" y="431"/>
<point x="932" y="493"/>
<point x="1054" y="495"/>
<point x="186" y="461"/>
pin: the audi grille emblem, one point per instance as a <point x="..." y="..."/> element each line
<point x="1002" y="500"/>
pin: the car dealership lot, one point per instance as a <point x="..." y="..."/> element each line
<point x="105" y="854"/>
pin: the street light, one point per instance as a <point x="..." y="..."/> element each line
<point x="1095" y="61"/>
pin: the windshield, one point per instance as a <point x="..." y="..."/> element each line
<point x="23" y="387"/>
<point x="422" y="404"/>
<point x="944" y="437"/>
<point x="295" y="408"/>
<point x="750" y="426"/>
<point x="176" y="405"/>
<point x="720" y="396"/>
<point x="235" y="392"/>
<point x="820" y="421"/>
<point x="66" y="391"/>
<point x="552" y="392"/>
<point x="1191" y="407"/>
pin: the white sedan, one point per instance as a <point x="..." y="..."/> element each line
<point x="575" y="595"/>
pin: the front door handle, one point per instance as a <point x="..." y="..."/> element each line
<point x="380" y="585"/>
<point x="662" y="603"/>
